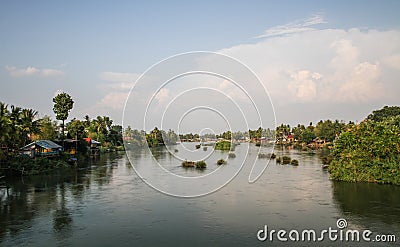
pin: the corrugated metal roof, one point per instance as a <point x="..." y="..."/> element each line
<point x="47" y="144"/>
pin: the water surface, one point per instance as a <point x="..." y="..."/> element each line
<point x="104" y="203"/>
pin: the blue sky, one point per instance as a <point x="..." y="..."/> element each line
<point x="94" y="49"/>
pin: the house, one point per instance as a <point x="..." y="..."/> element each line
<point x="42" y="148"/>
<point x="317" y="143"/>
<point x="290" y="138"/>
<point x="94" y="146"/>
<point x="70" y="146"/>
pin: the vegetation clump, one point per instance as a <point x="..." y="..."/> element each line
<point x="278" y="160"/>
<point x="273" y="156"/>
<point x="286" y="160"/>
<point x="369" y="151"/>
<point x="294" y="162"/>
<point x="221" y="162"/>
<point x="188" y="163"/>
<point x="231" y="155"/>
<point x="201" y="164"/>
<point x="224" y="145"/>
<point x="198" y="146"/>
<point x="204" y="148"/>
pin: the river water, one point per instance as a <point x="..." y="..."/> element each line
<point x="105" y="203"/>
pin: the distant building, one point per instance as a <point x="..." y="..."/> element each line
<point x="94" y="149"/>
<point x="42" y="148"/>
<point x="318" y="143"/>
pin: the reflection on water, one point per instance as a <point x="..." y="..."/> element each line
<point x="369" y="204"/>
<point x="104" y="203"/>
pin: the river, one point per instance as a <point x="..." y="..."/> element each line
<point x="105" y="203"/>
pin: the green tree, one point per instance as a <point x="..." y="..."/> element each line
<point x="63" y="103"/>
<point x="47" y="129"/>
<point x="368" y="152"/>
<point x="5" y="125"/>
<point x="307" y="135"/>
<point x="76" y="129"/>
<point x="29" y="126"/>
<point x="115" y="135"/>
<point x="385" y="112"/>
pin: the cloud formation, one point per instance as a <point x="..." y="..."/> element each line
<point x="32" y="71"/>
<point x="294" y="27"/>
<point x="330" y="66"/>
<point x="117" y="89"/>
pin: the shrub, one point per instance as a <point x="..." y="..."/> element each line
<point x="198" y="146"/>
<point x="221" y="162"/>
<point x="231" y="155"/>
<point x="273" y="156"/>
<point x="278" y="160"/>
<point x="187" y="163"/>
<point x="286" y="160"/>
<point x="369" y="151"/>
<point x="201" y="164"/>
<point x="294" y="162"/>
<point x="224" y="145"/>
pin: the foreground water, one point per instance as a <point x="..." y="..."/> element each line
<point x="105" y="203"/>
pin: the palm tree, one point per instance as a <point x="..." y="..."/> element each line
<point x="15" y="134"/>
<point x="5" y="124"/>
<point x="29" y="125"/>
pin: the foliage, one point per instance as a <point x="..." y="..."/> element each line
<point x="227" y="135"/>
<point x="294" y="162"/>
<point x="385" y="112"/>
<point x="159" y="137"/>
<point x="47" y="129"/>
<point x="27" y="166"/>
<point x="224" y="145"/>
<point x="286" y="160"/>
<point x="189" y="163"/>
<point x="221" y="162"/>
<point x="63" y="103"/>
<point x="201" y="164"/>
<point x="17" y="126"/>
<point x="368" y="152"/>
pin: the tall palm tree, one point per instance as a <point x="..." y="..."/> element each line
<point x="29" y="125"/>
<point x="15" y="135"/>
<point x="5" y="124"/>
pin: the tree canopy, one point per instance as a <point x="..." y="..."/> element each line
<point x="385" y="112"/>
<point x="368" y="152"/>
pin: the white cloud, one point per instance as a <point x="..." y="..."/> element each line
<point x="329" y="66"/>
<point x="113" y="100"/>
<point x="119" y="77"/>
<point x="163" y="95"/>
<point x="51" y="73"/>
<point x="363" y="84"/>
<point x="294" y="27"/>
<point x="116" y="90"/>
<point x="303" y="86"/>
<point x="32" y="71"/>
